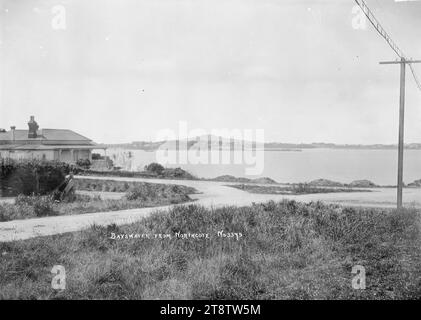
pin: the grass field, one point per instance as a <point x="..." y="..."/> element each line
<point x="138" y="195"/>
<point x="125" y="186"/>
<point x="294" y="189"/>
<point x="285" y="250"/>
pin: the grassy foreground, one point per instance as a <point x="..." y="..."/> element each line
<point x="285" y="250"/>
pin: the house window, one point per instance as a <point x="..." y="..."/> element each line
<point x="44" y="157"/>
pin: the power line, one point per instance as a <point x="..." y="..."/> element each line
<point x="376" y="24"/>
<point x="417" y="81"/>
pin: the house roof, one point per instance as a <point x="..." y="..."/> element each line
<point x="44" y="134"/>
<point x="23" y="147"/>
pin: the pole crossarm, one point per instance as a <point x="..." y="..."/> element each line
<point x="400" y="61"/>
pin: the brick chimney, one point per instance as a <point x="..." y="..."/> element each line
<point x="33" y="127"/>
<point x="12" y="130"/>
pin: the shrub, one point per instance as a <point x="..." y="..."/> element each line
<point x="83" y="163"/>
<point x="154" y="168"/>
<point x="177" y="173"/>
<point x="144" y="191"/>
<point x="4" y="215"/>
<point x="136" y="193"/>
<point x="32" y="176"/>
<point x="35" y="206"/>
<point x="43" y="207"/>
<point x="96" y="156"/>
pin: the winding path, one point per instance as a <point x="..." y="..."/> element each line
<point x="211" y="194"/>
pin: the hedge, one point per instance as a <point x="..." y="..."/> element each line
<point x="28" y="177"/>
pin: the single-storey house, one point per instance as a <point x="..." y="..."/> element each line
<point x="47" y="144"/>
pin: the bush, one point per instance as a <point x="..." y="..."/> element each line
<point x="144" y="191"/>
<point x="32" y="176"/>
<point x="35" y="206"/>
<point x="177" y="173"/>
<point x="83" y="163"/>
<point x="44" y="207"/>
<point x="136" y="193"/>
<point x="96" y="156"/>
<point x="154" y="168"/>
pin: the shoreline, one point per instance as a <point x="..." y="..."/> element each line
<point x="321" y="182"/>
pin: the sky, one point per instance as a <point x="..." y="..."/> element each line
<point x="124" y="70"/>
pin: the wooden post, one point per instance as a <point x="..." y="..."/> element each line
<point x="402" y="63"/>
<point x="401" y="134"/>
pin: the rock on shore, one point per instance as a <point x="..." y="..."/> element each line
<point x="325" y="183"/>
<point x="363" y="184"/>
<point x="416" y="184"/>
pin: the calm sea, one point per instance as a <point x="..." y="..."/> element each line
<point x="379" y="166"/>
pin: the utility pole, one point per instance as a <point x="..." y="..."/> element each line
<point x="403" y="62"/>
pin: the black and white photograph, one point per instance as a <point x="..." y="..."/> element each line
<point x="210" y="150"/>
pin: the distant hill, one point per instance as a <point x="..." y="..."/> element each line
<point x="215" y="142"/>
